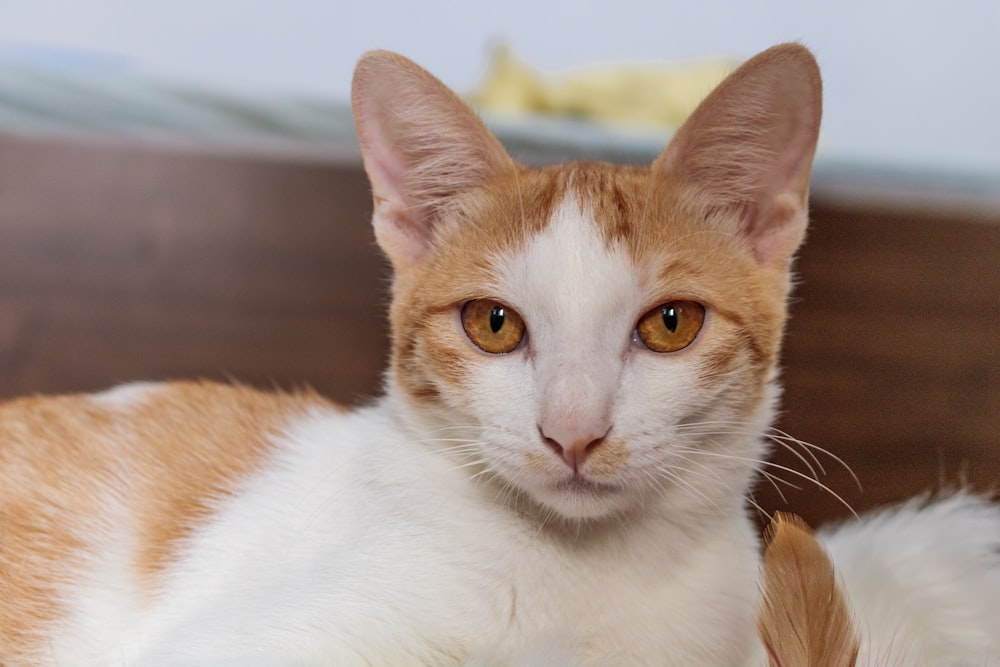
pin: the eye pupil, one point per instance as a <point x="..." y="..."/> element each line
<point x="670" y="319"/>
<point x="497" y="317"/>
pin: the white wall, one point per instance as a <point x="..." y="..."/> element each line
<point x="907" y="82"/>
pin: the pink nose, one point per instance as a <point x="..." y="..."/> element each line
<point x="574" y="448"/>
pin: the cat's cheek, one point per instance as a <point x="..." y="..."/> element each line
<point x="440" y="366"/>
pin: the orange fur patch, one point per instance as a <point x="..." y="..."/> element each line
<point x="804" y="618"/>
<point x="608" y="457"/>
<point x="72" y="467"/>
<point x="539" y="461"/>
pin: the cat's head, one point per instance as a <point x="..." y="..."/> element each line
<point x="593" y="336"/>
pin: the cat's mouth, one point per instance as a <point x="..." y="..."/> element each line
<point x="579" y="497"/>
<point x="580" y="484"/>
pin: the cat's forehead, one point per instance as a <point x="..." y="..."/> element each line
<point x="569" y="230"/>
<point x="575" y="223"/>
<point x="570" y="267"/>
<point x="615" y="200"/>
<point x="621" y="206"/>
<point x="635" y="210"/>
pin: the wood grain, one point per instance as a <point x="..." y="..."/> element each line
<point x="892" y="358"/>
<point x="128" y="261"/>
<point x="121" y="263"/>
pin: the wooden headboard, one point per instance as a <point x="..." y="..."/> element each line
<point x="122" y="261"/>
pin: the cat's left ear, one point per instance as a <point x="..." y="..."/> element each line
<point x="421" y="145"/>
<point x="742" y="160"/>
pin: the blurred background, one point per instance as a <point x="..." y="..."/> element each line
<point x="908" y="82"/>
<point x="181" y="195"/>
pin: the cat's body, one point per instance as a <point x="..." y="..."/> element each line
<point x="340" y="542"/>
<point x="583" y="378"/>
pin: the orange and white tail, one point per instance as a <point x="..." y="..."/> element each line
<point x="804" y="618"/>
<point x="915" y="584"/>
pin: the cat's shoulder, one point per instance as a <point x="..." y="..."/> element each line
<point x="181" y="438"/>
<point x="154" y="410"/>
<point x="147" y="461"/>
<point x="174" y="445"/>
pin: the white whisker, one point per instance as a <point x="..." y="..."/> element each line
<point x="778" y="437"/>
<point x="777" y="466"/>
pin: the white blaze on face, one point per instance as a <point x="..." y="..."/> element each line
<point x="578" y="297"/>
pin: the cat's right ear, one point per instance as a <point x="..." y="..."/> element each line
<point x="421" y="146"/>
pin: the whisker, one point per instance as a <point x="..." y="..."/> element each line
<point x="708" y="474"/>
<point x="469" y="464"/>
<point x="786" y="441"/>
<point x="678" y="479"/>
<point x="652" y="480"/>
<point x="776" y="436"/>
<point x="782" y="468"/>
<point x="457" y="427"/>
<point x="753" y="503"/>
<point x="822" y="450"/>
<point x="774" y="479"/>
<point x="800" y="456"/>
<point x="672" y="473"/>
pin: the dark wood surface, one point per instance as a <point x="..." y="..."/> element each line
<point x="120" y="263"/>
<point x="126" y="261"/>
<point x="892" y="358"/>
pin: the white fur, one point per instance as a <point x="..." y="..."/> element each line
<point x="368" y="540"/>
<point x="924" y="580"/>
<point x="357" y="548"/>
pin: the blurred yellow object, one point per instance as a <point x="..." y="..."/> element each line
<point x="651" y="95"/>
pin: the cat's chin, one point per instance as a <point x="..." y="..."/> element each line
<point x="578" y="498"/>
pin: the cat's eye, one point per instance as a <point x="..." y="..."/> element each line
<point x="492" y="326"/>
<point x="672" y="326"/>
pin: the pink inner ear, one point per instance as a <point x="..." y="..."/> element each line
<point x="776" y="233"/>
<point x="403" y="240"/>
<point x="421" y="146"/>
<point x="398" y="231"/>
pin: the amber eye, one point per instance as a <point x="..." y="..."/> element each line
<point x="492" y="326"/>
<point x="672" y="326"/>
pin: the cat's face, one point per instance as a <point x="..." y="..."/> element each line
<point x="594" y="349"/>
<point x="592" y="336"/>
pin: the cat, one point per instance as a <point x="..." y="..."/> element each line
<point x="583" y="374"/>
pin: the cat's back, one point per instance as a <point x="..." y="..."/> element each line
<point x="115" y="481"/>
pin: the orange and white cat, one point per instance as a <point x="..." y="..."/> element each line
<point x="583" y="375"/>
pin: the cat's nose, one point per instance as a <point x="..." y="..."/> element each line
<point x="574" y="445"/>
